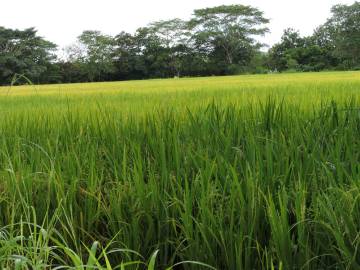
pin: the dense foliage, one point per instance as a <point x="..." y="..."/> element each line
<point x="215" y="41"/>
<point x="334" y="45"/>
<point x="24" y="53"/>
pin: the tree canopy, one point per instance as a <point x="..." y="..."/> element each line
<point x="344" y="31"/>
<point x="333" y="45"/>
<point x="226" y="34"/>
<point x="24" y="52"/>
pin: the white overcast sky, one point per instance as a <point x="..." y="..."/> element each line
<point x="61" y="21"/>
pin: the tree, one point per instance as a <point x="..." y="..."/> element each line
<point x="301" y="53"/>
<point x="24" y="52"/>
<point x="124" y="55"/>
<point x="153" y="54"/>
<point x="226" y="34"/>
<point x="343" y="29"/>
<point x="93" y="51"/>
<point x="174" y="37"/>
<point x="282" y="55"/>
<point x="128" y="57"/>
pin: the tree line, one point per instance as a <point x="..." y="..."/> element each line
<point x="220" y="40"/>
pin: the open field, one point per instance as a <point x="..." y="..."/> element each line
<point x="242" y="172"/>
<point x="141" y="97"/>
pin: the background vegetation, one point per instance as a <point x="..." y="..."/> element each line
<point x="215" y="41"/>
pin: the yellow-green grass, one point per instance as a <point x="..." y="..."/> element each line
<point x="241" y="172"/>
<point x="140" y="97"/>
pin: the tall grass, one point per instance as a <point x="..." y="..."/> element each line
<point x="268" y="184"/>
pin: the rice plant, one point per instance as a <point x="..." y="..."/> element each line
<point x="247" y="172"/>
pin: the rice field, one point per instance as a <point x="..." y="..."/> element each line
<point x="239" y="172"/>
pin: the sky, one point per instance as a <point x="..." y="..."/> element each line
<point x="61" y="21"/>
